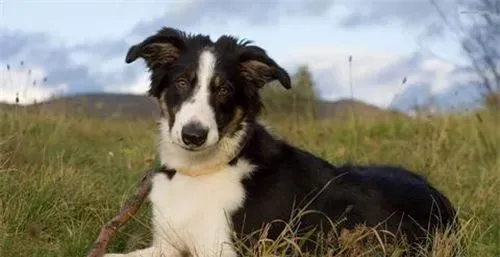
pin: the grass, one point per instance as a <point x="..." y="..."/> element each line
<point x="61" y="178"/>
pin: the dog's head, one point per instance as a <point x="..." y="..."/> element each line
<point x="206" y="89"/>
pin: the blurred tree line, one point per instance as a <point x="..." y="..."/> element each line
<point x="300" y="100"/>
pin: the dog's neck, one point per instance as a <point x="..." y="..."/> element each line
<point x="208" y="169"/>
<point x="220" y="161"/>
<point x="224" y="154"/>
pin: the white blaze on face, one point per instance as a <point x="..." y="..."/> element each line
<point x="197" y="108"/>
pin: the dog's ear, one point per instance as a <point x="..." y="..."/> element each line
<point x="259" y="69"/>
<point x="162" y="48"/>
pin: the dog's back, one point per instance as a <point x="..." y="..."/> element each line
<point x="414" y="206"/>
<point x="385" y="197"/>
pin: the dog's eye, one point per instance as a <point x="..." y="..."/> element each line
<point x="182" y="84"/>
<point x="224" y="90"/>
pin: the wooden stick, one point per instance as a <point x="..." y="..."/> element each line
<point x="130" y="208"/>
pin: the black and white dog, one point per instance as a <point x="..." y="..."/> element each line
<point x="225" y="174"/>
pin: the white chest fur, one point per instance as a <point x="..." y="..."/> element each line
<point x="195" y="212"/>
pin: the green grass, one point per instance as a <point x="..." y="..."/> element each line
<point x="61" y="178"/>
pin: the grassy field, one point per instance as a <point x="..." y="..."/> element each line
<point x="61" y="178"/>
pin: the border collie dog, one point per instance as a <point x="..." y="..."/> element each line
<point x="224" y="175"/>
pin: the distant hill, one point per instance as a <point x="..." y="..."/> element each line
<point x="129" y="106"/>
<point x="101" y="105"/>
<point x="342" y="109"/>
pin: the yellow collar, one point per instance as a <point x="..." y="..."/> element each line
<point x="209" y="169"/>
<point x="203" y="171"/>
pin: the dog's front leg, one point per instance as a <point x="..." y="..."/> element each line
<point x="214" y="246"/>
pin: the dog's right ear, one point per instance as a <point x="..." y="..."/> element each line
<point x="259" y="69"/>
<point x="162" y="48"/>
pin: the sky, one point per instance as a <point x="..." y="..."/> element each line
<point x="80" y="46"/>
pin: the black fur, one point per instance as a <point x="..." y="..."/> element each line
<point x="288" y="177"/>
<point x="285" y="176"/>
<point x="170" y="173"/>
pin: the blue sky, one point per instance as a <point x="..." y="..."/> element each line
<point x="80" y="46"/>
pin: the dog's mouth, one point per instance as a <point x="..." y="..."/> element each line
<point x="191" y="148"/>
<point x="196" y="149"/>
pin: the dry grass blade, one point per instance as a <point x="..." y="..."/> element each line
<point x="130" y="208"/>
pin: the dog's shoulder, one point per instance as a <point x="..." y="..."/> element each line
<point x="270" y="152"/>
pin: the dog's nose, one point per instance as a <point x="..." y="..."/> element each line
<point x="194" y="133"/>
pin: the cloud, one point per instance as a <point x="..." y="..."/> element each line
<point x="140" y="85"/>
<point x="420" y="18"/>
<point x="381" y="12"/>
<point x="102" y="64"/>
<point x="377" y="76"/>
<point x="102" y="50"/>
<point x="14" y="42"/>
<point x="461" y="97"/>
<point x="26" y="84"/>
<point x="221" y="12"/>
<point x="330" y="66"/>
